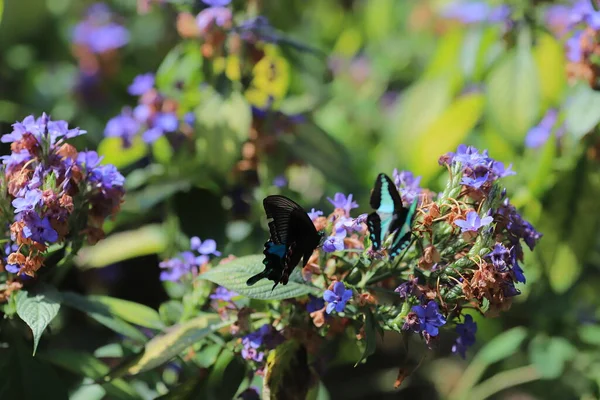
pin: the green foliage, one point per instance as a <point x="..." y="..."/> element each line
<point x="234" y="275"/>
<point x="38" y="309"/>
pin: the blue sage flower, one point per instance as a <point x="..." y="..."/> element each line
<point x="141" y="84"/>
<point x="335" y="242"/>
<point x="466" y="336"/>
<point x="473" y="222"/>
<point x="314" y="214"/>
<point x="345" y="203"/>
<point x="429" y="317"/>
<point x="337" y="298"/>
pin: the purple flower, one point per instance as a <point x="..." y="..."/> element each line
<point x="517" y="227"/>
<point x="142" y="113"/>
<point x="14" y="160"/>
<point x="476" y="12"/>
<point x="43" y="129"/>
<point x="253" y="341"/>
<point x="38" y="229"/>
<point x="223" y="294"/>
<point x="168" y="122"/>
<point x="539" y="134"/>
<point x="430" y="319"/>
<point x="88" y="159"/>
<point x="475" y="183"/>
<point x="189" y="118"/>
<point x="280" y="181"/>
<point x="206" y="247"/>
<point x="314" y="214"/>
<point x="314" y="304"/>
<point x="516" y="268"/>
<point x="123" y="126"/>
<point x="352" y="224"/>
<point x="98" y="33"/>
<point x="473" y="222"/>
<point x="337" y="298"/>
<point x="152" y="135"/>
<point x="498" y="169"/>
<point x="141" y="84"/>
<point x="335" y="242"/>
<point x="107" y="177"/>
<point x="406" y="289"/>
<point x="341" y="201"/>
<point x="31" y="199"/>
<point x="466" y="336"/>
<point x="219" y="16"/>
<point x="498" y="256"/>
<point x="408" y="185"/>
<point x="216" y="3"/>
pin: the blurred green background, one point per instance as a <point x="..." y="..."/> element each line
<point x="394" y="84"/>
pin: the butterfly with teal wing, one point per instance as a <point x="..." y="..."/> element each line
<point x="293" y="236"/>
<point x="389" y="216"/>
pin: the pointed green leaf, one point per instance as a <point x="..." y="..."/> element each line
<point x="582" y="110"/>
<point x="513" y="92"/>
<point x="87" y="365"/>
<point x="111" y="148"/>
<point x="370" y="336"/>
<point x="564" y="270"/>
<point x="38" y="309"/>
<point x="549" y="355"/>
<point x="550" y="60"/>
<point x="101" y="314"/>
<point x="131" y="312"/>
<point x="287" y="373"/>
<point x="234" y="274"/>
<point x="227" y="368"/>
<point x="502" y="346"/>
<point x="149" y="239"/>
<point x="446" y="133"/>
<point x="163" y="348"/>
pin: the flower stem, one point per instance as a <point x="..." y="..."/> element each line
<point x="504" y="380"/>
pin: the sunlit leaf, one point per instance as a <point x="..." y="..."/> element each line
<point x="513" y="92"/>
<point x="446" y="133"/>
<point x="87" y="365"/>
<point x="287" y="374"/>
<point x="445" y="62"/>
<point x="162" y="348"/>
<point x="145" y="199"/>
<point x="565" y="269"/>
<point x="149" y="239"/>
<point x="502" y="346"/>
<point x="111" y="148"/>
<point x="102" y="315"/>
<point x="182" y="65"/>
<point x="162" y="150"/>
<point x="38" y="308"/>
<point x="131" y="312"/>
<point x="582" y="110"/>
<point x="549" y="56"/>
<point x="549" y="354"/>
<point x="590" y="334"/>
<point x="234" y="274"/>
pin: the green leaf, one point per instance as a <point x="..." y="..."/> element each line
<point x="540" y="171"/>
<point x="589" y="334"/>
<point x="163" y="348"/>
<point x="131" y="312"/>
<point x="445" y="62"/>
<point x="38" y="309"/>
<point x="145" y="199"/>
<point x="370" y="336"/>
<point x="111" y="148"/>
<point x="446" y="133"/>
<point x="287" y="374"/>
<point x="170" y="312"/>
<point x="317" y="148"/>
<point x="182" y="65"/>
<point x="582" y="110"/>
<point x="187" y="390"/>
<point x="227" y="368"/>
<point x="234" y="274"/>
<point x="237" y="114"/>
<point x="149" y="239"/>
<point x="87" y="365"/>
<point x="101" y="314"/>
<point x="549" y="354"/>
<point x="162" y="150"/>
<point x="513" y="92"/>
<point x="550" y="60"/>
<point x="502" y="346"/>
<point x="1" y="9"/>
<point x="565" y="269"/>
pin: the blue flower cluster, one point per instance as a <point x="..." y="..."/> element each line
<point x="190" y="261"/>
<point x="98" y="32"/>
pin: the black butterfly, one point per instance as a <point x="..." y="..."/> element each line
<point x="389" y="216"/>
<point x="292" y="236"/>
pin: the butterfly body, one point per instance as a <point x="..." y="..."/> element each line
<point x="293" y="237"/>
<point x="389" y="216"/>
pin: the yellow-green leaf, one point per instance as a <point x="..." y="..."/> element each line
<point x="111" y="148"/>
<point x="550" y="60"/>
<point x="162" y="150"/>
<point x="565" y="268"/>
<point x="287" y="374"/>
<point x="130" y="311"/>
<point x="446" y="133"/>
<point x="162" y="348"/>
<point x="37" y="309"/>
<point x="149" y="239"/>
<point x="502" y="346"/>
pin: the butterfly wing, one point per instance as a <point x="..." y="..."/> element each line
<point x="279" y="209"/>
<point x="402" y="236"/>
<point x="374" y="225"/>
<point x="387" y="217"/>
<point x="303" y="239"/>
